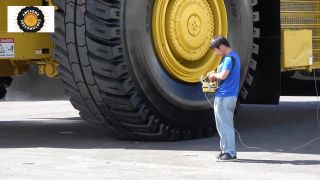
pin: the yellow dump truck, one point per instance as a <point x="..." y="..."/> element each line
<point x="132" y="67"/>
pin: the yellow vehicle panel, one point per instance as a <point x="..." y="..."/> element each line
<point x="296" y="49"/>
<point x="27" y="46"/>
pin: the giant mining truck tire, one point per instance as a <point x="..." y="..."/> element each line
<point x="5" y="82"/>
<point x="112" y="73"/>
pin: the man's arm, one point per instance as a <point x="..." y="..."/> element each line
<point x="226" y="68"/>
<point x="221" y="76"/>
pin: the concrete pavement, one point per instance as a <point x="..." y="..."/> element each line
<point x="47" y="140"/>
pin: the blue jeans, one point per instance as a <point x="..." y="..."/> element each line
<point x="223" y="110"/>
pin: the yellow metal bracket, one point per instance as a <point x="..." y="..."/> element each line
<point x="49" y="69"/>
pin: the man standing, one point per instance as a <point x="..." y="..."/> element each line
<point x="228" y="76"/>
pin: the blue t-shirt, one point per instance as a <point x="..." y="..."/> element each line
<point x="231" y="84"/>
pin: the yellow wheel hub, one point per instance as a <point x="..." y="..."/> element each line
<point x="30" y="19"/>
<point x="182" y="31"/>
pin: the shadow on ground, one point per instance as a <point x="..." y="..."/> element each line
<point x="293" y="162"/>
<point x="275" y="128"/>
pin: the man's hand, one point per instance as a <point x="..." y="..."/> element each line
<point x="212" y="77"/>
<point x="209" y="73"/>
<point x="221" y="76"/>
